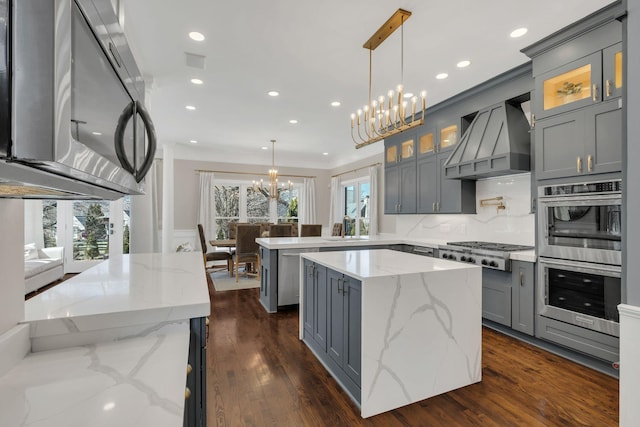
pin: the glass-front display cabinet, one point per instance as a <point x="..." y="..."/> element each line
<point x="572" y="86"/>
<point x="448" y="137"/>
<point x="612" y="71"/>
<point x="399" y="150"/>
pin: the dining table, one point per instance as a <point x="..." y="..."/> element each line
<point x="223" y="243"/>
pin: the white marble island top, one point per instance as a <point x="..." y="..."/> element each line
<point x="382" y="263"/>
<point x="121" y="297"/>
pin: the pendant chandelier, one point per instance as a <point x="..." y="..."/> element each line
<point x="382" y="118"/>
<point x="272" y="191"/>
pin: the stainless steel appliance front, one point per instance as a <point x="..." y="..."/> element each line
<point x="580" y="293"/>
<point x="76" y="96"/>
<point x="581" y="222"/>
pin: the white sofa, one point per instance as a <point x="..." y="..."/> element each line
<point x="42" y="266"/>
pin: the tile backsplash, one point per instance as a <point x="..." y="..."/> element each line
<point x="515" y="224"/>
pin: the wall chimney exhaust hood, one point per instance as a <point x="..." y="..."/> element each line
<point x="496" y="143"/>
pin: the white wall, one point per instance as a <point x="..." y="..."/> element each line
<point x="11" y="263"/>
<point x="515" y="224"/>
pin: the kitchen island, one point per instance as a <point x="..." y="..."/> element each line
<point x="110" y="346"/>
<point x="392" y="328"/>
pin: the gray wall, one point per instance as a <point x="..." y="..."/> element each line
<point x="632" y="202"/>
<point x="186" y="182"/>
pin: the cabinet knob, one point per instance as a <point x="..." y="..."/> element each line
<point x="189" y="368"/>
<point x="187" y="393"/>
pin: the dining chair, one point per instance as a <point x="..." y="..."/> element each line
<point x="337" y="229"/>
<point x="308" y="230"/>
<point x="213" y="256"/>
<point x="232" y="228"/>
<point x="280" y="230"/>
<point x="247" y="250"/>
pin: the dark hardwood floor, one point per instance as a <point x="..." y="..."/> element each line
<point x="260" y="374"/>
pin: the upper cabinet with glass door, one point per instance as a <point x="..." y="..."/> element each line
<point x="436" y="140"/>
<point x="399" y="148"/>
<point x="586" y="81"/>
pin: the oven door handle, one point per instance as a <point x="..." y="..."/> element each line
<point x="599" y="268"/>
<point x="576" y="199"/>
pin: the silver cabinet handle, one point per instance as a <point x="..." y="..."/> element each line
<point x="433" y="206"/>
<point x="339" y="287"/>
<point x="521" y="278"/>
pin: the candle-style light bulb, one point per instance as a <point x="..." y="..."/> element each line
<point x="353" y="117"/>
<point x="414" y="100"/>
<point x="423" y="95"/>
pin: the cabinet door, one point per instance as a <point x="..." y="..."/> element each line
<point x="523" y="297"/>
<point x="391" y="190"/>
<point x="612" y="71"/>
<point x="264" y="274"/>
<point x="427" y="184"/>
<point x="320" y="309"/>
<point x="496" y="296"/>
<point x="604" y="137"/>
<point x="448" y="138"/>
<point x="408" y="181"/>
<point x="335" y="332"/>
<point x="309" y="296"/>
<point x="560" y="145"/>
<point x="353" y="332"/>
<point x="426" y="142"/>
<point x="574" y="85"/>
<point x="449" y="190"/>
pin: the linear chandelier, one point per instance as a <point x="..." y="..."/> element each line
<point x="382" y="118"/>
<point x="273" y="191"/>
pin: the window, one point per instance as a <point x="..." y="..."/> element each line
<point x="227" y="200"/>
<point x="50" y="223"/>
<point x="356" y="207"/>
<point x="288" y="205"/>
<point x="240" y="202"/>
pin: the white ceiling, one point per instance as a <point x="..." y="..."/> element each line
<point x="311" y="52"/>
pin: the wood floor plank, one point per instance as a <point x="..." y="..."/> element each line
<point x="260" y="374"/>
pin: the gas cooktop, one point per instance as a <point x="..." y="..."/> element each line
<point x="491" y="246"/>
<point x="485" y="254"/>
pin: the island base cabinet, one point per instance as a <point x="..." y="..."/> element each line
<point x="269" y="279"/>
<point x="523" y="297"/>
<point x="332" y="323"/>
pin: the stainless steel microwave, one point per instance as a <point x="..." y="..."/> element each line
<point x="72" y="116"/>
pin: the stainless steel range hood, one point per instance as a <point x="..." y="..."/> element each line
<point x="26" y="182"/>
<point x="497" y="142"/>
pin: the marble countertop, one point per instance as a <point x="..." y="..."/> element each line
<point x="131" y="382"/>
<point x="366" y="264"/>
<point x="328" y="242"/>
<point x="124" y="291"/>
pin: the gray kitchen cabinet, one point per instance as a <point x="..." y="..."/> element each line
<point x="496" y="296"/>
<point x="332" y="322"/>
<point x="315" y="303"/>
<point x="580" y="142"/>
<point x="438" y="194"/>
<point x="269" y="279"/>
<point x="400" y="174"/>
<point x="344" y="332"/>
<point x="612" y="71"/>
<point x="523" y="296"/>
<point x="289" y="275"/>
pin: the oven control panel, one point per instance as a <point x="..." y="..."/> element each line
<point x="481" y="259"/>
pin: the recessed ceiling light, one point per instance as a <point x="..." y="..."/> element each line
<point x="325" y="154"/>
<point x="265" y="148"/>
<point x="463" y="64"/>
<point x="193" y="141"/>
<point x="335" y="104"/>
<point x="519" y="32"/>
<point x="293" y="121"/>
<point x="442" y="76"/>
<point x="408" y="95"/>
<point x="196" y="36"/>
<point x="273" y="93"/>
<point x="196" y="81"/>
<point x="96" y="133"/>
<point x="190" y="107"/>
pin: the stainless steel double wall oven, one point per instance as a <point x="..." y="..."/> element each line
<point x="579" y="265"/>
